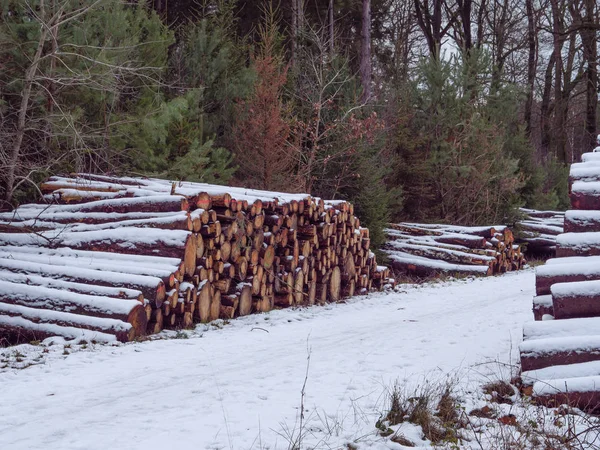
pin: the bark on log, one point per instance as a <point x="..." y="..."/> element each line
<point x="572" y="300"/>
<point x="548" y="275"/>
<point x="123" y="331"/>
<point x="169" y="243"/>
<point x="159" y="203"/>
<point x="557" y="352"/>
<point x="167" y="273"/>
<point x="40" y="297"/>
<point x="80" y="288"/>
<point x="582" y="221"/>
<point x="18" y="330"/>
<point x="452" y="256"/>
<point x="578" y="244"/>
<point x="153" y="288"/>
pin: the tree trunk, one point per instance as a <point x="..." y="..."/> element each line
<point x="590" y="54"/>
<point x="562" y="77"/>
<point x="153" y="288"/>
<point x="22" y="115"/>
<point x="531" y="64"/>
<point x="545" y="109"/>
<point x="296" y="29"/>
<point x="331" y="29"/>
<point x="294" y="33"/>
<point x="365" y="51"/>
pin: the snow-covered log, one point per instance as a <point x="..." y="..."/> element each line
<point x="169" y="274"/>
<point x="579" y="392"/>
<point x="423" y="267"/>
<point x="585" y="195"/>
<point x="431" y="249"/>
<point x="443" y="254"/>
<point x="561" y="328"/>
<point x="17" y="330"/>
<point x="153" y="288"/>
<point x="538" y="231"/>
<point x="81" y="288"/>
<point x="439" y="229"/>
<point x="542" y="307"/>
<point x="578" y="244"/>
<point x="156" y="203"/>
<point x="593" y="157"/>
<point x="562" y="270"/>
<point x="577" y="299"/>
<point x="556" y="351"/>
<point x="582" y="221"/>
<point x="46" y="298"/>
<point x="123" y="331"/>
<point x="129" y="240"/>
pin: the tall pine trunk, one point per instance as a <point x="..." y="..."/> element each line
<point x="560" y="109"/>
<point x="590" y="55"/>
<point x="294" y="33"/>
<point x="531" y="64"/>
<point x="365" y="51"/>
<point x="546" y="108"/>
<point x="331" y="29"/>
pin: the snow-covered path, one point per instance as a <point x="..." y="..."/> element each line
<point x="239" y="387"/>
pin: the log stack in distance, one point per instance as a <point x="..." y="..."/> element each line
<point x="111" y="258"/>
<point x="538" y="230"/>
<point x="426" y="250"/>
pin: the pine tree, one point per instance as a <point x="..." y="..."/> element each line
<point x="468" y="172"/>
<point x="72" y="69"/>
<point x="262" y="132"/>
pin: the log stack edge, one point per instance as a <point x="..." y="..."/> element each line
<point x="560" y="352"/>
<point x="117" y="258"/>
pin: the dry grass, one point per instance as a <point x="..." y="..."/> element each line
<point x="433" y="408"/>
<point x="500" y="391"/>
<point x="505" y="422"/>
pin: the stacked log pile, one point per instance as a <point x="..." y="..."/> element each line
<point x="430" y="249"/>
<point x="537" y="231"/>
<point x="560" y="353"/>
<point x="118" y="258"/>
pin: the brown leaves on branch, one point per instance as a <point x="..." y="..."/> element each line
<point x="262" y="132"/>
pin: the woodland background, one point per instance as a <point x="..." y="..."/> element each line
<point x="429" y="110"/>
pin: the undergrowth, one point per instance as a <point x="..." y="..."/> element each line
<point x="502" y="420"/>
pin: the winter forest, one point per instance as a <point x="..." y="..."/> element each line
<point x="455" y="111"/>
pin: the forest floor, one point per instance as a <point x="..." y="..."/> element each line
<point x="244" y="384"/>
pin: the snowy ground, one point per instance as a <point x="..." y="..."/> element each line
<point x="238" y="385"/>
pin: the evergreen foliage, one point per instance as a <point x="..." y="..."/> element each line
<point x="466" y="150"/>
<point x="170" y="143"/>
<point x="76" y="70"/>
<point x="209" y="57"/>
<point x="262" y="128"/>
<point x="228" y="91"/>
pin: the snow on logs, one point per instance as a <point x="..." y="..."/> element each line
<point x="560" y="358"/>
<point x="538" y="230"/>
<point x="578" y="244"/>
<point x="582" y="221"/>
<point x="117" y="258"/>
<point x="428" y="249"/>
<point x="566" y="270"/>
